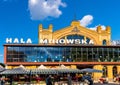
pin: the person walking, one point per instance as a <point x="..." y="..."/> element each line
<point x="69" y="79"/>
<point x="49" y="80"/>
<point x="2" y="81"/>
<point x="89" y="78"/>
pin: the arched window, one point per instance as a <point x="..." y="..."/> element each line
<point x="114" y="71"/>
<point x="105" y="71"/>
<point x="104" y="42"/>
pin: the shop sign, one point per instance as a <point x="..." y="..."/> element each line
<point x="17" y="40"/>
<point x="65" y="41"/>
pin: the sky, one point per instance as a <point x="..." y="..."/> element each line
<point x="20" y="18"/>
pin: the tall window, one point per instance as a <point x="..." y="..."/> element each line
<point x="114" y="71"/>
<point x="104" y="42"/>
<point x="105" y="71"/>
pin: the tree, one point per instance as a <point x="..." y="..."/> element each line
<point x="2" y="64"/>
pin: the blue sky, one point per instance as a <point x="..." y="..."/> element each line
<point x="20" y="18"/>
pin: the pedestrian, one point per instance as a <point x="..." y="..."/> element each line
<point x="89" y="78"/>
<point x="2" y="81"/>
<point x="49" y="80"/>
<point x="11" y="79"/>
<point x="69" y="80"/>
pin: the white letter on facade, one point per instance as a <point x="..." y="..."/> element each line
<point x="70" y="41"/>
<point x="22" y="41"/>
<point x="8" y="40"/>
<point x="16" y="40"/>
<point x="62" y="41"/>
<point x="77" y="41"/>
<point x="91" y="42"/>
<point x="45" y="41"/>
<point x="84" y="41"/>
<point x="29" y="40"/>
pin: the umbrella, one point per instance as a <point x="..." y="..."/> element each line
<point x="42" y="67"/>
<point x="68" y="70"/>
<point x="18" y="70"/>
<point x="90" y="70"/>
<point x="43" y="70"/>
<point x="64" y="69"/>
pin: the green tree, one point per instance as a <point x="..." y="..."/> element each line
<point x="2" y="64"/>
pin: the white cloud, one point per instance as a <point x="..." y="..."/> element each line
<point x="94" y="28"/>
<point x="103" y="27"/>
<point x="42" y="9"/>
<point x="1" y="55"/>
<point x="86" y="20"/>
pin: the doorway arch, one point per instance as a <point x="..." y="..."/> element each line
<point x="114" y="70"/>
<point x="105" y="71"/>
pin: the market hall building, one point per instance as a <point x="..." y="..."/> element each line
<point x="74" y="46"/>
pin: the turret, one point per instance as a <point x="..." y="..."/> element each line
<point x="40" y="27"/>
<point x="75" y="23"/>
<point x="99" y="29"/>
<point x="50" y="27"/>
<point x="108" y="29"/>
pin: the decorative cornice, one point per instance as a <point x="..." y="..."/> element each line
<point x="75" y="29"/>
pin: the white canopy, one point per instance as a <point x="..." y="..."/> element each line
<point x="62" y="67"/>
<point x="42" y="67"/>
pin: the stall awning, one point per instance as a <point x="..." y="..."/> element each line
<point x="68" y="70"/>
<point x="18" y="70"/>
<point x="43" y="71"/>
<point x="90" y="70"/>
<point x="64" y="69"/>
<point x="1" y="68"/>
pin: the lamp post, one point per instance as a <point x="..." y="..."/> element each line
<point x="30" y="77"/>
